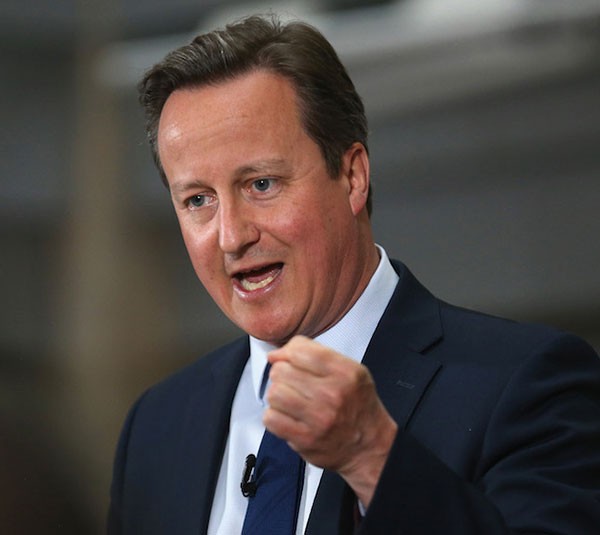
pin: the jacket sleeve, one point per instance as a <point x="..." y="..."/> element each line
<point x="539" y="465"/>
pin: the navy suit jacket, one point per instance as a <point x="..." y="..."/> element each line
<point x="499" y="432"/>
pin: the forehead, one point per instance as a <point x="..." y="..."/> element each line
<point x="259" y="96"/>
<point x="204" y="131"/>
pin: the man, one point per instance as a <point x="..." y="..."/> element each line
<point x="413" y="416"/>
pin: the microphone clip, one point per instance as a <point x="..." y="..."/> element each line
<point x="248" y="485"/>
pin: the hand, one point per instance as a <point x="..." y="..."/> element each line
<point x="326" y="407"/>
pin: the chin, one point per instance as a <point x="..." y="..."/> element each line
<point x="272" y="336"/>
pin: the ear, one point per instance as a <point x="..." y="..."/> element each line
<point x="355" y="170"/>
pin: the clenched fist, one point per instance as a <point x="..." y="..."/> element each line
<point x="326" y="407"/>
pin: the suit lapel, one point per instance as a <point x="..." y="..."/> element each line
<point x="332" y="510"/>
<point x="409" y="326"/>
<point x="204" y="432"/>
<point x="396" y="354"/>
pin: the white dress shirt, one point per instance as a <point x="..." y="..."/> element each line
<point x="350" y="337"/>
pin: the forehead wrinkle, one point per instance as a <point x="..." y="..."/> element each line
<point x="261" y="166"/>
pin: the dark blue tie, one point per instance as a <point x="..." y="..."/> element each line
<point x="279" y="477"/>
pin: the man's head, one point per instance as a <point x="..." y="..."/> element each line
<point x="281" y="243"/>
<point x="332" y="112"/>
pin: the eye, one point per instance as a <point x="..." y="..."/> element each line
<point x="196" y="201"/>
<point x="262" y="184"/>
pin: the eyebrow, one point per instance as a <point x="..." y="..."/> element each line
<point x="182" y="187"/>
<point x="260" y="166"/>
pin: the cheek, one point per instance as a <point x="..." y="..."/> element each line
<point x="311" y="242"/>
<point x="209" y="272"/>
<point x="299" y="221"/>
<point x="199" y="251"/>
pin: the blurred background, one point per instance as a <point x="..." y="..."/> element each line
<point x="485" y="145"/>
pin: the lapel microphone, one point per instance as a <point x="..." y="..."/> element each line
<point x="248" y="485"/>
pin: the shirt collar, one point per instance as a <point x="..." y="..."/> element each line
<point x="351" y="335"/>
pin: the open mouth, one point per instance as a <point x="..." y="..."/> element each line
<point x="256" y="279"/>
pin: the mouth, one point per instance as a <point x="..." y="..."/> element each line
<point x="256" y="279"/>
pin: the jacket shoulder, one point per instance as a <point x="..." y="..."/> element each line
<point x="498" y="340"/>
<point x="225" y="359"/>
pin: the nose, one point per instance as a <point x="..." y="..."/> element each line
<point x="237" y="229"/>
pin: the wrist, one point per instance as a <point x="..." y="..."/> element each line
<point x="364" y="473"/>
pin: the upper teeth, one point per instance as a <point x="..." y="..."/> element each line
<point x="250" y="286"/>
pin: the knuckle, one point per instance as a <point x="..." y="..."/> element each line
<point x="275" y="371"/>
<point x="273" y="393"/>
<point x="325" y="421"/>
<point x="334" y="399"/>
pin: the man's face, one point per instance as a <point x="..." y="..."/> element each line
<point x="279" y="245"/>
